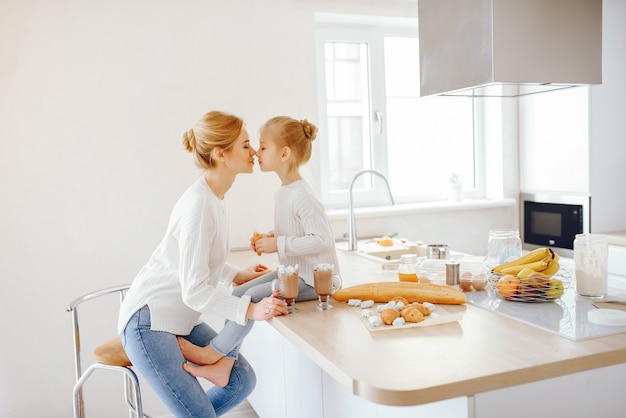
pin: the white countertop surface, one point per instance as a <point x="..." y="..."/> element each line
<point x="616" y="238"/>
<point x="566" y="317"/>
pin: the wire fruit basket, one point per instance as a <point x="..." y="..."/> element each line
<point x="532" y="289"/>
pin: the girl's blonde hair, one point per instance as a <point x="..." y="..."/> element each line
<point x="214" y="129"/>
<point x="298" y="135"/>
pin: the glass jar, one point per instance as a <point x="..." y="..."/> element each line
<point x="438" y="251"/>
<point x="504" y="245"/>
<point x="591" y="253"/>
<point x="407" y="270"/>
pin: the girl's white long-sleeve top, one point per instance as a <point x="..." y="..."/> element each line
<point x="303" y="231"/>
<point x="187" y="274"/>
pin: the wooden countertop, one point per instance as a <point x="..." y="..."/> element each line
<point x="481" y="352"/>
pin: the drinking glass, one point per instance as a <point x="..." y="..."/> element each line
<point x="325" y="283"/>
<point x="287" y="285"/>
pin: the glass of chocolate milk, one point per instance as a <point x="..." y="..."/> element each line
<point x="325" y="283"/>
<point x="287" y="285"/>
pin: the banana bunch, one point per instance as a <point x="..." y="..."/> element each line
<point x="542" y="260"/>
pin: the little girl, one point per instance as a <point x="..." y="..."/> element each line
<point x="302" y="235"/>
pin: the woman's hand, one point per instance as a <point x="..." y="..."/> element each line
<point x="267" y="308"/>
<point x="250" y="273"/>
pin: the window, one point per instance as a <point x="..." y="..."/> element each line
<point x="373" y="118"/>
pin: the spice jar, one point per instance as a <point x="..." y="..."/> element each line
<point x="504" y="245"/>
<point x="453" y="277"/>
<point x="438" y="251"/>
<point x="407" y="270"/>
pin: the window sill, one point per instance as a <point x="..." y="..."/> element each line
<point x="421" y="208"/>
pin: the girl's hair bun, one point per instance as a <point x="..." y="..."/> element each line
<point x="310" y="130"/>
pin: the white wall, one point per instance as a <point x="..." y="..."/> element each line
<point x="554" y="141"/>
<point x="583" y="148"/>
<point x="607" y="154"/>
<point x="94" y="97"/>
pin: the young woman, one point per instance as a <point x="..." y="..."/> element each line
<point x="302" y="235"/>
<point x="187" y="276"/>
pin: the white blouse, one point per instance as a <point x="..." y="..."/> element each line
<point x="303" y="230"/>
<point x="187" y="274"/>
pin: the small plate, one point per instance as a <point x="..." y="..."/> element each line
<point x="609" y="317"/>
<point x="441" y="315"/>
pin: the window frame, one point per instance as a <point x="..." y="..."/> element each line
<point x="374" y="34"/>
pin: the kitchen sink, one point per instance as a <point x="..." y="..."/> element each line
<point x="376" y="252"/>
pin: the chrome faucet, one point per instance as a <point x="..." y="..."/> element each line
<point x="351" y="220"/>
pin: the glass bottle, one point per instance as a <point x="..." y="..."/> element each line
<point x="504" y="245"/>
<point x="591" y="252"/>
<point x="407" y="270"/>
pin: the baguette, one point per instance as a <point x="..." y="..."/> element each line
<point x="383" y="292"/>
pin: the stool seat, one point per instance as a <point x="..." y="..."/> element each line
<point x="112" y="353"/>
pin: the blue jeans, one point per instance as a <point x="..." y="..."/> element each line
<point x="228" y="341"/>
<point x="156" y="356"/>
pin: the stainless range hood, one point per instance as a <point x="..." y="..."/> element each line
<point x="508" y="48"/>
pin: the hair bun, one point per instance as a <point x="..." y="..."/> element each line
<point x="310" y="130"/>
<point x="189" y="140"/>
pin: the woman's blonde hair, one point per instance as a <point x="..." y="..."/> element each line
<point x="298" y="135"/>
<point x="214" y="129"/>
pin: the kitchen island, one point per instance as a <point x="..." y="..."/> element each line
<point x="328" y="364"/>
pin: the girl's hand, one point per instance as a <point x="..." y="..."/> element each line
<point x="253" y="239"/>
<point x="261" y="243"/>
<point x="267" y="244"/>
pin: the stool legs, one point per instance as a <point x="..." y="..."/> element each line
<point x="131" y="389"/>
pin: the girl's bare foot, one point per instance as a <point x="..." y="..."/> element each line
<point x="197" y="354"/>
<point x="218" y="373"/>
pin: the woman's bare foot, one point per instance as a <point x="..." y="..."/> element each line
<point x="218" y="373"/>
<point x="197" y="354"/>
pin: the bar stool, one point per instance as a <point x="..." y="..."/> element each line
<point x="109" y="355"/>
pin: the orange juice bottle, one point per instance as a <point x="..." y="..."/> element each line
<point x="407" y="271"/>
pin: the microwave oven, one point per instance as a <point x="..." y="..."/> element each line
<point x="553" y="220"/>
